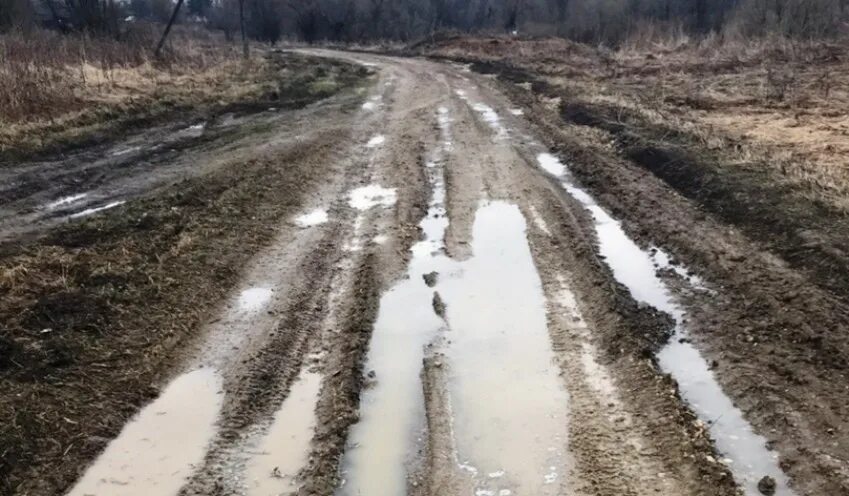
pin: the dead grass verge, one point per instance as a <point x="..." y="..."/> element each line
<point x="57" y="89"/>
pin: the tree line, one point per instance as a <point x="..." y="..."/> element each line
<point x="592" y="21"/>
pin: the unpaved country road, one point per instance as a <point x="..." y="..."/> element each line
<point x="450" y="314"/>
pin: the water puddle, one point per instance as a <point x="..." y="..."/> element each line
<point x="392" y="411"/>
<point x="370" y="196"/>
<point x="374" y="103"/>
<point x="490" y="116"/>
<point x="314" y="218"/>
<point x="124" y="151"/>
<point x="194" y="131"/>
<point x="538" y="221"/>
<point x="551" y="164"/>
<point x="253" y="299"/>
<point x="159" y="448"/>
<point x="94" y="210"/>
<point x="285" y="449"/>
<point x="376" y="141"/>
<point x="67" y="200"/>
<point x="510" y="408"/>
<point x="748" y="457"/>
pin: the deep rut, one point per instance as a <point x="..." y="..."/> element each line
<point x="450" y="323"/>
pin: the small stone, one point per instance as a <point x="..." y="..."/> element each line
<point x="767" y="486"/>
<point x="430" y="278"/>
<point x="438" y="305"/>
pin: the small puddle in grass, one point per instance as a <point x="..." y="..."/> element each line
<point x="749" y="459"/>
<point x="67" y="200"/>
<point x="90" y="211"/>
<point x="159" y="448"/>
<point x="370" y="196"/>
<point x="285" y="449"/>
<point x="253" y="299"/>
<point x="124" y="151"/>
<point x="313" y="218"/>
<point x="373" y="103"/>
<point x="376" y="141"/>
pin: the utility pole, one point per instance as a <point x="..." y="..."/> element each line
<point x="242" y="24"/>
<point x="168" y="28"/>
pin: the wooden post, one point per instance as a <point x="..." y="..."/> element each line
<point x="168" y="28"/>
<point x="242" y="25"/>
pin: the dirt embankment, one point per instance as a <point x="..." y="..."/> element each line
<point x="94" y="313"/>
<point x="759" y="213"/>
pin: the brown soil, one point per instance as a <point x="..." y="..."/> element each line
<point x="147" y="285"/>
<point x="771" y="239"/>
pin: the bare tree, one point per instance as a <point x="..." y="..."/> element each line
<point x="159" y="46"/>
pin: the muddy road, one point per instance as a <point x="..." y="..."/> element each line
<point x="445" y="308"/>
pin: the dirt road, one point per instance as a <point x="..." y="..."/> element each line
<point x="450" y="311"/>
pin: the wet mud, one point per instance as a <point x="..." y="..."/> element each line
<point x="427" y="287"/>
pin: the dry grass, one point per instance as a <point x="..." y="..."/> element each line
<point x="52" y="85"/>
<point x="775" y="102"/>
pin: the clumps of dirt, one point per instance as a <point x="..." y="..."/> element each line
<point x="431" y="278"/>
<point x="438" y="305"/>
<point x="94" y="313"/>
<point x="767" y="486"/>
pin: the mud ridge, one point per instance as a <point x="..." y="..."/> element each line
<point x="339" y="400"/>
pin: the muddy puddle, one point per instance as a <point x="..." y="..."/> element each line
<point x="313" y="218"/>
<point x="373" y="103"/>
<point x="65" y="201"/>
<point x="162" y="445"/>
<point x="254" y="299"/>
<point x="284" y="450"/>
<point x="489" y="116"/>
<point x="745" y="451"/>
<point x="510" y="407"/>
<point x="381" y="444"/>
<point x="487" y="316"/>
<point x="94" y="210"/>
<point x="370" y="196"/>
<point x="376" y="141"/>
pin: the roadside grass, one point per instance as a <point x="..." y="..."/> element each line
<point x="775" y="103"/>
<point x="55" y="89"/>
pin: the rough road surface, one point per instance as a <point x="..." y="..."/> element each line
<point x="448" y="312"/>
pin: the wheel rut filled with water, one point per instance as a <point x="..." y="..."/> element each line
<point x="438" y="307"/>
